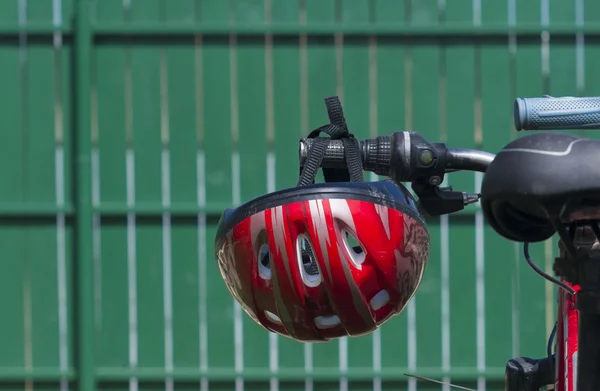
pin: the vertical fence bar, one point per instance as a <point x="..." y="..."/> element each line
<point x="83" y="201"/>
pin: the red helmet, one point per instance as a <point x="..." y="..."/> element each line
<point x="325" y="260"/>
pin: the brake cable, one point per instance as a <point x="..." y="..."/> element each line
<point x="545" y="275"/>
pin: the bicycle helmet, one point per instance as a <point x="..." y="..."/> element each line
<point x="288" y="257"/>
<point x="322" y="261"/>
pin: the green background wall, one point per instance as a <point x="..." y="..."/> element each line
<point x="127" y="126"/>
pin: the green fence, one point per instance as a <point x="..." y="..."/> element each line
<point x="127" y="126"/>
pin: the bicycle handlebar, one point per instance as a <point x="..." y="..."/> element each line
<point x="408" y="157"/>
<point x="548" y="113"/>
<point x="377" y="154"/>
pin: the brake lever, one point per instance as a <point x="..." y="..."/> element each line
<point x="437" y="201"/>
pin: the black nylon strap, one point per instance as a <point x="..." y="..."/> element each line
<point x="335" y="112"/>
<point x="353" y="159"/>
<point x="336" y="129"/>
<point x="313" y="162"/>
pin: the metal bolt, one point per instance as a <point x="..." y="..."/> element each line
<point x="435" y="180"/>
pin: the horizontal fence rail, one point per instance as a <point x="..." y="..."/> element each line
<point x="457" y="30"/>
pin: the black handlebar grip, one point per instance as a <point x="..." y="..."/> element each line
<point x="549" y="113"/>
<point x="376" y="154"/>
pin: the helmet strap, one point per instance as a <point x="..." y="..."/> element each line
<point x="337" y="129"/>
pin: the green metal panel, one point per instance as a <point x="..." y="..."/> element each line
<point x="128" y="132"/>
<point x="390" y="100"/>
<point x="501" y="260"/>
<point x="85" y="346"/>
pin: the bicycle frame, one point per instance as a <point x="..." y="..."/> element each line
<point x="576" y="358"/>
<point x="578" y="319"/>
<point x="567" y="334"/>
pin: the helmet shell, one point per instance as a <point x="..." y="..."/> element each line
<point x="320" y="262"/>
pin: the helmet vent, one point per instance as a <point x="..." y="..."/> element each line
<point x="354" y="248"/>
<point x="272" y="317"/>
<point x="264" y="262"/>
<point x="380" y="299"/>
<point x="326" y="322"/>
<point x="308" y="262"/>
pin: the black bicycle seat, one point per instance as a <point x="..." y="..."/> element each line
<point x="540" y="178"/>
